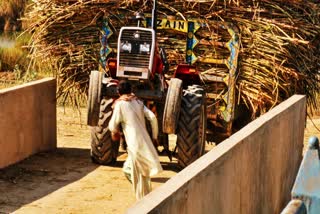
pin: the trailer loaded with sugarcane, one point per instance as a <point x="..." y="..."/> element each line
<point x="204" y="67"/>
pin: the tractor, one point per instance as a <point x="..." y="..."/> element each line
<point x="182" y="105"/>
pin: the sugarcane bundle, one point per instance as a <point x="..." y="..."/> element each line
<point x="279" y="42"/>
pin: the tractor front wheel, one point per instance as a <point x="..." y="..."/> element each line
<point x="191" y="133"/>
<point x="172" y="106"/>
<point x="103" y="150"/>
<point x="94" y="98"/>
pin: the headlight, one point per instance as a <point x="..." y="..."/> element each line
<point x="144" y="48"/>
<point x="136" y="35"/>
<point x="126" y="47"/>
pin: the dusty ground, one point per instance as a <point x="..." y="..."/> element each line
<point x="65" y="180"/>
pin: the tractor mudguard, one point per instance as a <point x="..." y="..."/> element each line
<point x="188" y="74"/>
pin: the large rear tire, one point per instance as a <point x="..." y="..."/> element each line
<point x="94" y="98"/>
<point x="191" y="134"/>
<point x="103" y="150"/>
<point x="172" y="106"/>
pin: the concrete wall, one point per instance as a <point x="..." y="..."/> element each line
<point x="251" y="172"/>
<point x="27" y="120"/>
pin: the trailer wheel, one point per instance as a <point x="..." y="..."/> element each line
<point x="103" y="150"/>
<point x="94" y="98"/>
<point x="191" y="134"/>
<point x="172" y="106"/>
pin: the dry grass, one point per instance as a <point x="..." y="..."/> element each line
<point x="10" y="14"/>
<point x="6" y="8"/>
<point x="13" y="57"/>
<point x="279" y="42"/>
<point x="14" y="61"/>
<point x="12" y="8"/>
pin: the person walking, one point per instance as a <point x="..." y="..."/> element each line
<point x="142" y="162"/>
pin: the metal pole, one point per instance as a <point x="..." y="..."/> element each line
<point x="154" y="15"/>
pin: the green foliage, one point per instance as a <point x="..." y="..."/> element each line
<point x="21" y="40"/>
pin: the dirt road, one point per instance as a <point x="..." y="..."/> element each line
<point x="65" y="180"/>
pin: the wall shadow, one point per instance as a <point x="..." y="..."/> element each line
<point x="54" y="170"/>
<point x="46" y="172"/>
<point x="160" y="179"/>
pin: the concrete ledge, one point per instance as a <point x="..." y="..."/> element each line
<point x="253" y="171"/>
<point x="27" y="120"/>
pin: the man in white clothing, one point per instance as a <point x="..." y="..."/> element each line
<point x="143" y="161"/>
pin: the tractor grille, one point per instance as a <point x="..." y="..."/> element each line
<point x="145" y="36"/>
<point x="135" y="58"/>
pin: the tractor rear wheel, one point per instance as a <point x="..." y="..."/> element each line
<point x="191" y="134"/>
<point x="103" y="150"/>
<point x="94" y="98"/>
<point x="172" y="106"/>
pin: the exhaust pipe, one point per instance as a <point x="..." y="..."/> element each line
<point x="154" y="16"/>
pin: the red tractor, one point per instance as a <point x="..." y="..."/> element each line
<point x="180" y="106"/>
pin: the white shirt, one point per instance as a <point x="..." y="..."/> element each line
<point x="131" y="115"/>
